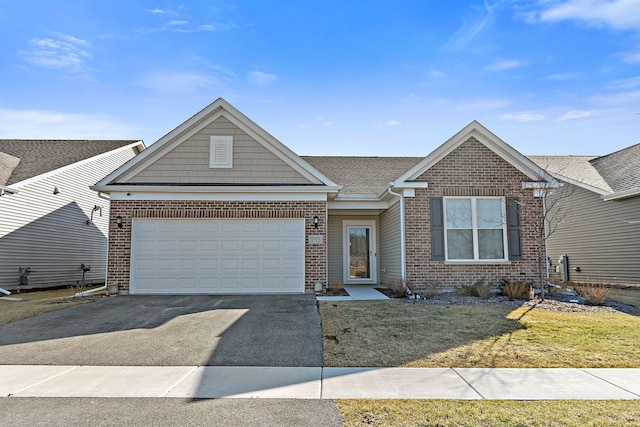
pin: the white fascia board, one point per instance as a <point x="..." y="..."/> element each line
<point x="581" y="184"/>
<point x="622" y="194"/>
<point x="357" y="204"/>
<point x="540" y="185"/>
<point x="222" y="197"/>
<point x="36" y="178"/>
<point x="410" y="184"/>
<point x="213" y="189"/>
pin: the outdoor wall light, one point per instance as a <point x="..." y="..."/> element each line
<point x="119" y="221"/>
<point x="55" y="190"/>
<point x="315" y="221"/>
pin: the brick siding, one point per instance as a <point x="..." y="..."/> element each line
<point x="120" y="238"/>
<point x="472" y="169"/>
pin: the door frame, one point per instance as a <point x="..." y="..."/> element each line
<point x="373" y="265"/>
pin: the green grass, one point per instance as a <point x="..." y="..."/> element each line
<point x="395" y="333"/>
<point x="455" y="413"/>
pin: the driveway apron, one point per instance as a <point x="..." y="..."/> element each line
<point x="199" y="330"/>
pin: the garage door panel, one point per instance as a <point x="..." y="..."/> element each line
<point x="217" y="256"/>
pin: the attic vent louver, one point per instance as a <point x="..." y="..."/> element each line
<point x="221" y="152"/>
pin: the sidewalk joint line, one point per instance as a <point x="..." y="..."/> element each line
<point x="43" y="381"/>
<point x="184" y="377"/>
<point x="607" y="381"/>
<point x="468" y="383"/>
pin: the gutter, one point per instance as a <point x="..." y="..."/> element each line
<point x="403" y="254"/>
<point x="9" y="190"/>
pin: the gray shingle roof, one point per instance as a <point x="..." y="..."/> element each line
<point x="612" y="173"/>
<point x="576" y="168"/>
<point x="41" y="156"/>
<point x="621" y="170"/>
<point x="362" y="175"/>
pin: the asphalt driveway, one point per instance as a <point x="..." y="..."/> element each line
<point x="261" y="330"/>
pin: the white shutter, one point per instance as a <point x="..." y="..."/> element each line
<point x="221" y="152"/>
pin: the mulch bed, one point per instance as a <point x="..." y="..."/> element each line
<point x="555" y="302"/>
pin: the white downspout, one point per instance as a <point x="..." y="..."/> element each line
<point x="403" y="254"/>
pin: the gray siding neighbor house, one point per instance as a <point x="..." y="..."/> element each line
<point x="595" y="217"/>
<point x="50" y="221"/>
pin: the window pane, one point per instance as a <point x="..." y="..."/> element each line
<point x="459" y="244"/>
<point x="489" y="213"/>
<point x="458" y="213"/>
<point x="490" y="244"/>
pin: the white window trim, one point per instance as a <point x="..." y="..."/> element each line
<point x="474" y="224"/>
<point x="218" y="139"/>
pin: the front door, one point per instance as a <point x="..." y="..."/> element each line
<point x="360" y="251"/>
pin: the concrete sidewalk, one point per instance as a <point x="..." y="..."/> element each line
<point x="205" y="382"/>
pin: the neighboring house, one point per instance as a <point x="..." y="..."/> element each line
<point x="218" y="205"/>
<point x="50" y="221"/>
<point x="595" y="217"/>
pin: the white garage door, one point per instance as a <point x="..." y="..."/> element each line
<point x="217" y="256"/>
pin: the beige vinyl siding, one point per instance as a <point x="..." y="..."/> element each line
<point x="188" y="163"/>
<point x="335" y="245"/>
<point x="50" y="234"/>
<point x="389" y="255"/>
<point x="600" y="237"/>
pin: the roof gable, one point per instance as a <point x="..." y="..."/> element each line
<point x="38" y="157"/>
<point x="486" y="138"/>
<point x="185" y="137"/>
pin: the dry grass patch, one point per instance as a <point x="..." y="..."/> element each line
<point x="34" y="303"/>
<point x="454" y="413"/>
<point x="396" y="333"/>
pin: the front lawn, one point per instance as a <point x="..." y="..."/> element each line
<point x="396" y="333"/>
<point x="36" y="302"/>
<point x="457" y="413"/>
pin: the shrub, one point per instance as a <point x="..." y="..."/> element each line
<point x="483" y="289"/>
<point x="479" y="289"/>
<point x="396" y="287"/>
<point x="516" y="290"/>
<point x="593" y="294"/>
<point x="431" y="291"/>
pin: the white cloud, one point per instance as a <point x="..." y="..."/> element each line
<point x="63" y="51"/>
<point x="631" y="57"/>
<point x="618" y="14"/>
<point x="386" y="124"/>
<point x="41" y="124"/>
<point x="179" y="82"/>
<point x="177" y="22"/>
<point x="436" y="74"/>
<point x="561" y="76"/>
<point x="505" y="64"/>
<point x="260" y="78"/>
<point x="574" y="114"/>
<point x="471" y="28"/>
<point x="629" y="83"/>
<point x="162" y="12"/>
<point x="523" y="117"/>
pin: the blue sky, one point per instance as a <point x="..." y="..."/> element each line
<point x="331" y="77"/>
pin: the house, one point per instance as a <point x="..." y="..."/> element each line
<point x="595" y="217"/>
<point x="218" y="205"/>
<point x="51" y="223"/>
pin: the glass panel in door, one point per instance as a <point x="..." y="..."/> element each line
<point x="359" y="253"/>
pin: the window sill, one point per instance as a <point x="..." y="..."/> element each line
<point x="499" y="262"/>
